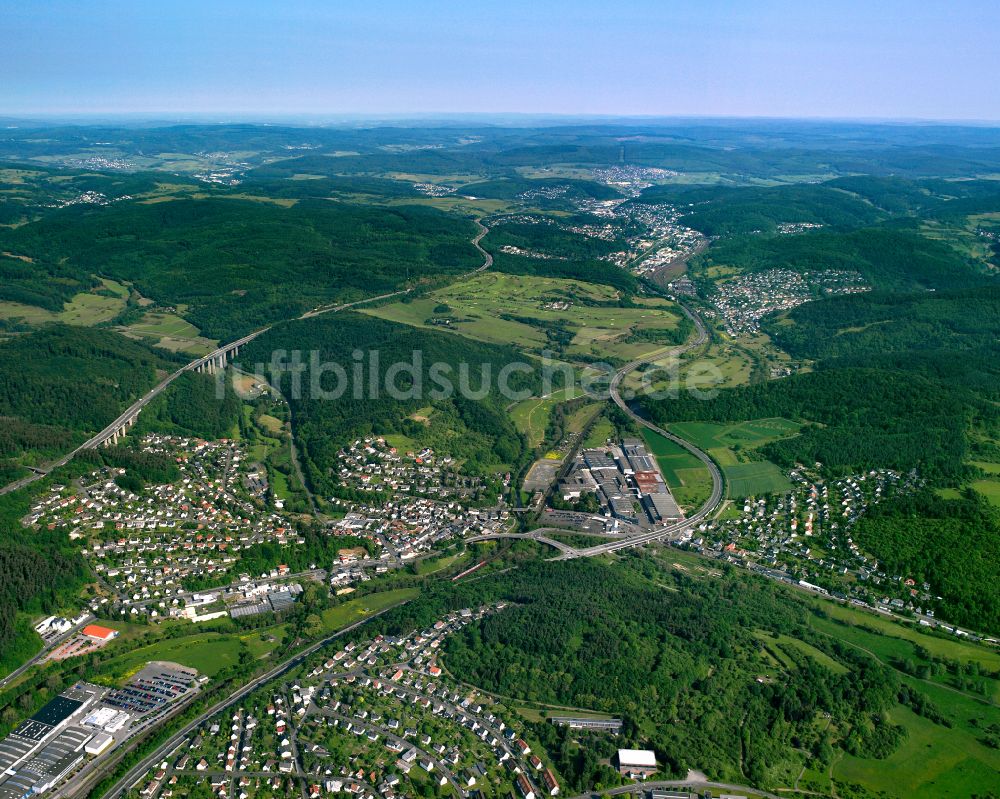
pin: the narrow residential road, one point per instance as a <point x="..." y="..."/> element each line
<point x="121" y="787"/>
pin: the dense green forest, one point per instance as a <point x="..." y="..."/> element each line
<point x="471" y="426"/>
<point x="241" y="264"/>
<point x="950" y="543"/>
<point x="880" y="323"/>
<point x="548" y="239"/>
<point x="61" y="380"/>
<point x="678" y="658"/>
<point x="543" y="193"/>
<point x="39" y="573"/>
<point x="891" y="258"/>
<point x="570" y="255"/>
<point x="863" y="418"/>
<point x="727" y="211"/>
<point x="191" y="407"/>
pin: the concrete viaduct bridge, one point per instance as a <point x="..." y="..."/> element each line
<point x="115" y="432"/>
<point x="211" y="363"/>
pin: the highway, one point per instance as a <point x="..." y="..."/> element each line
<point x="708" y="507"/>
<point x="534" y="535"/>
<point x="139" y="769"/>
<point x="714" y="499"/>
<point x="128" y="416"/>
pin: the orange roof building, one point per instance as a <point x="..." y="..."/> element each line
<point x="99" y="632"/>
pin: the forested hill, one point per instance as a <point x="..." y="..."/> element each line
<point x="680" y="658"/>
<point x="59" y="384"/>
<point x="891" y="258"/>
<point x="240" y="264"/>
<point x="907" y="380"/>
<point x="471" y="426"/>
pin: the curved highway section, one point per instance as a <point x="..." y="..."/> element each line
<point x="718" y="486"/>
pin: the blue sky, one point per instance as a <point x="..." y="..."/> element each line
<point x="879" y="58"/>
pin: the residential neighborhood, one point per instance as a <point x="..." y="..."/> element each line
<point x="378" y="718"/>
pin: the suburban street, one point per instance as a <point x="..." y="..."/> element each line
<point x="140" y="768"/>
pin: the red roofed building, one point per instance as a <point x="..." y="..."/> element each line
<point x="99" y="632"/>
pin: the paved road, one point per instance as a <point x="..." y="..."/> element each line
<point x="133" y="410"/>
<point x="45" y="651"/>
<point x="714" y="499"/>
<point x="692" y="785"/>
<point x="136" y="772"/>
<point x="656" y="534"/>
<point x="534" y="535"/>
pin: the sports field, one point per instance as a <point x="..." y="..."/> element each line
<point x="753" y="479"/>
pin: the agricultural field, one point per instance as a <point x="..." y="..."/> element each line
<point x="172" y="332"/>
<point x="87" y="308"/>
<point x="739" y="436"/>
<point x="688" y="478"/>
<point x="729" y="445"/>
<point x="575" y="319"/>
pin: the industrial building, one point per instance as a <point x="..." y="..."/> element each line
<point x="578" y="723"/>
<point x="44" y="748"/>
<point x="636" y="763"/>
<point x="627" y="482"/>
<point x="83" y="721"/>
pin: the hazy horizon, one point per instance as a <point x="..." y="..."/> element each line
<point x="846" y="61"/>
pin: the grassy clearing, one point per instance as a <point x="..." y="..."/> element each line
<point x="599" y="433"/>
<point x="270" y="423"/>
<point x="433" y="565"/>
<point x="790" y="645"/>
<point x="357" y="609"/>
<point x="512" y="309"/>
<point x="745" y="435"/>
<point x="931" y="763"/>
<point x="531" y="416"/>
<point x="880" y="628"/>
<point x="85" y="309"/>
<point x="753" y="479"/>
<point x="209" y="653"/>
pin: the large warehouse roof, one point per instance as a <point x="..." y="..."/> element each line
<point x="637" y="757"/>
